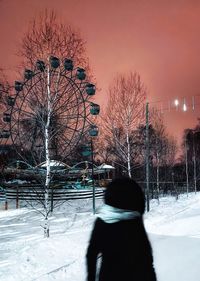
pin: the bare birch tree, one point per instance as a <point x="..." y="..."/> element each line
<point x="46" y="109"/>
<point x="48" y="36"/>
<point x="123" y="114"/>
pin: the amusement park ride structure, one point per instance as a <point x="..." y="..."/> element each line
<point x="47" y="114"/>
<point x="50" y="111"/>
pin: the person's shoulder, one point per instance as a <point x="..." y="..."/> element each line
<point x="99" y="221"/>
<point x="100" y="224"/>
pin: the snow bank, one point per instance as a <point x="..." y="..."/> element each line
<point x="173" y="227"/>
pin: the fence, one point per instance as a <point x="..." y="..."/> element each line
<point x="33" y="192"/>
<point x="164" y="188"/>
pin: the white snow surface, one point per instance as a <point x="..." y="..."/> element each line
<point x="173" y="227"/>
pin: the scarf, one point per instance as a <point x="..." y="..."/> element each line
<point x="111" y="214"/>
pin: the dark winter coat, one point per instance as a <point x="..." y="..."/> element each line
<point x="125" y="251"/>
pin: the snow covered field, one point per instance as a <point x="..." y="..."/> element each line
<point x="173" y="227"/>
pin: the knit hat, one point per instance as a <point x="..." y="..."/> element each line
<point x="125" y="193"/>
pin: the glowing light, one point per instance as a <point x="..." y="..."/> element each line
<point x="184" y="107"/>
<point x="193" y="103"/>
<point x="176" y="102"/>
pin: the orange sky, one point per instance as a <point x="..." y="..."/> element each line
<point x="160" y="39"/>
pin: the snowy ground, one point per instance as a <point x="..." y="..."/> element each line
<point x="173" y="227"/>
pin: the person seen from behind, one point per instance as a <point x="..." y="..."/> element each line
<point x="119" y="236"/>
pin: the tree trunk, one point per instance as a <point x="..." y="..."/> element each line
<point x="48" y="167"/>
<point x="128" y="155"/>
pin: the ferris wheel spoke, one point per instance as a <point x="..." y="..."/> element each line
<point x="63" y="84"/>
<point x="68" y="100"/>
<point x="67" y="118"/>
<point x="31" y="87"/>
<point x="56" y="82"/>
<point x="67" y="143"/>
<point x="75" y="104"/>
<point x="34" y="97"/>
<point x="26" y="105"/>
<point x="61" y="105"/>
<point x="65" y="137"/>
<point x="31" y="96"/>
<point x="63" y="140"/>
<point x="66" y="128"/>
<point x="26" y="113"/>
<point x="63" y="89"/>
<point x="71" y="87"/>
<point x="67" y="110"/>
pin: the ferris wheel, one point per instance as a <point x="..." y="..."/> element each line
<point x="53" y="95"/>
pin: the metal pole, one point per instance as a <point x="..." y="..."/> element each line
<point x="147" y="155"/>
<point x="186" y="165"/>
<point x="194" y="159"/>
<point x="93" y="187"/>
